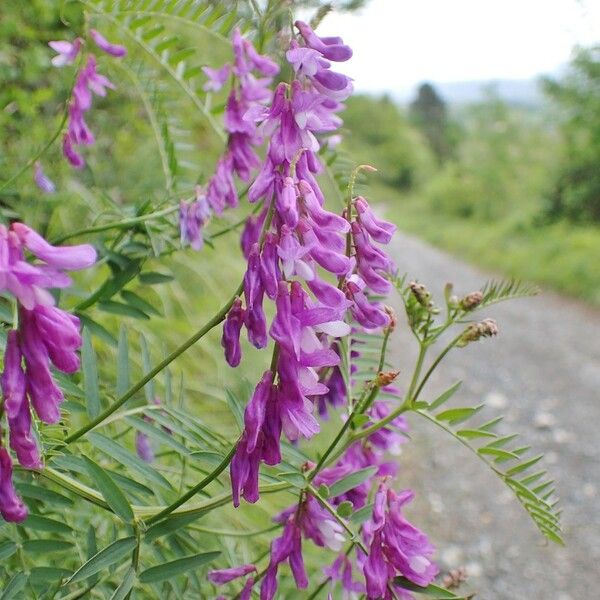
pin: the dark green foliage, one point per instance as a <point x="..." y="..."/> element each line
<point x="382" y="137"/>
<point x="576" y="192"/>
<point x="429" y="113"/>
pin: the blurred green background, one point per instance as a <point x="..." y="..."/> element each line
<point x="514" y="187"/>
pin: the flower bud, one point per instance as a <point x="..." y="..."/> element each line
<point x="421" y="293"/>
<point x="471" y="301"/>
<point x="385" y="378"/>
<point x="475" y="331"/>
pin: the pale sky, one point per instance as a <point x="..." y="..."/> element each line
<point x="399" y="43"/>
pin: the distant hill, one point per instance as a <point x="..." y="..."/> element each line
<point x="514" y="91"/>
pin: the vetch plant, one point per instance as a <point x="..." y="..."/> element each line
<point x="129" y="485"/>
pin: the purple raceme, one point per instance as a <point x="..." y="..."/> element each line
<point x="252" y="77"/>
<point x="46" y="336"/>
<point x="396" y="547"/>
<point x="87" y="83"/>
<point x="302" y="246"/>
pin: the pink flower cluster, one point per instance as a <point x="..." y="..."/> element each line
<point x="87" y="83"/>
<point x="247" y="93"/>
<point x="46" y="335"/>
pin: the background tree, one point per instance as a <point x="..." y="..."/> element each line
<point x="576" y="192"/>
<point x="429" y="113"/>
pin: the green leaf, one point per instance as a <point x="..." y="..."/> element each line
<point x="125" y="585"/>
<point x="147" y="367"/>
<point x="294" y="478"/>
<point x="236" y="407"/>
<point x="114" y="497"/>
<point x="98" y="330"/>
<point x="160" y="436"/>
<point x="345" y="509"/>
<point x="44" y="575"/>
<point x="445" y="396"/>
<point x="497" y="453"/>
<point x="154" y="278"/>
<point x="362" y="515"/>
<point x="90" y="376"/>
<point x="127" y="459"/>
<point x="122" y="362"/>
<point x="7" y="549"/>
<point x="121" y="309"/>
<point x="432" y="590"/>
<point x="138" y="302"/>
<point x="43" y="494"/>
<point x="324" y="491"/>
<point x="46" y="546"/>
<point x="176" y="567"/>
<point x="458" y="415"/>
<point x="14" y="586"/>
<point x="360" y="419"/>
<point x="351" y="481"/>
<point x="40" y="523"/>
<point x="108" y="556"/>
<point x="472" y="434"/>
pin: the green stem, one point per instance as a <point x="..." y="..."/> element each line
<point x="38" y="154"/>
<point x="217" y="318"/>
<point x="434" y="365"/>
<point x="124" y="224"/>
<point x="194" y="490"/>
<point x="417" y="371"/>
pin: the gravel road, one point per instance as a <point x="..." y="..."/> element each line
<point x="543" y="373"/>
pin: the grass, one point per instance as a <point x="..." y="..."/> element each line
<point x="561" y="255"/>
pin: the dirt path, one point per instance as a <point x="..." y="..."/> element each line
<point x="543" y="374"/>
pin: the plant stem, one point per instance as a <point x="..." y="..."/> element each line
<point x="417" y="371"/>
<point x="216" y="319"/>
<point x="124" y="224"/>
<point x="434" y="365"/>
<point x="194" y="490"/>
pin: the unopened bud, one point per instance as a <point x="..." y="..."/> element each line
<point x="389" y="311"/>
<point x="385" y="378"/>
<point x="471" y="301"/>
<point x="422" y="294"/>
<point x="476" y="331"/>
<point x="455" y="578"/>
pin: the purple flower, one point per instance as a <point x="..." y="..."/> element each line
<point x="22" y="439"/>
<point x="288" y="547"/>
<point x="113" y="49"/>
<point x="259" y="441"/>
<point x="88" y="82"/>
<point x="221" y="576"/>
<point x="61" y="257"/>
<point x="231" y="333"/>
<point x="255" y="320"/>
<point x="216" y="78"/>
<point x="67" y="51"/>
<point x="397" y="547"/>
<point x="143" y="447"/>
<point x="11" y="507"/>
<point x="341" y="570"/>
<point x="13" y="377"/>
<point x="70" y="154"/>
<point x="332" y="48"/>
<point x="380" y="231"/>
<point x="43" y="182"/>
<point x="193" y="216"/>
